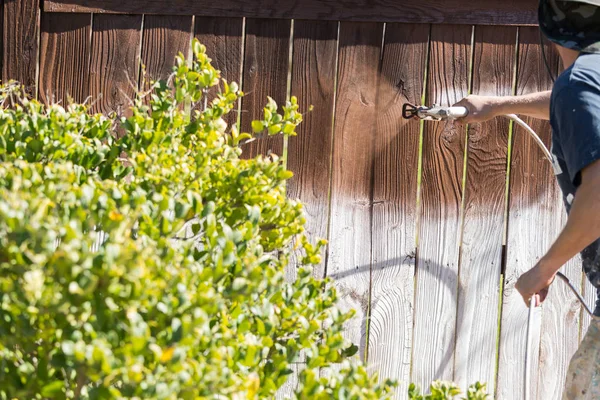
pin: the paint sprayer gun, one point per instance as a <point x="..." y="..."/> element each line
<point x="434" y="113"/>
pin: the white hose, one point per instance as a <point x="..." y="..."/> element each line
<point x="533" y="135"/>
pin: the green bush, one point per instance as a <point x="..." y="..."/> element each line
<point x="150" y="264"/>
<point x="441" y="390"/>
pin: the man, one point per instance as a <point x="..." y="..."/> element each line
<point x="573" y="108"/>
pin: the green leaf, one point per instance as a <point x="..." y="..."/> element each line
<point x="52" y="389"/>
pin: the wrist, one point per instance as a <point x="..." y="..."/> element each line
<point x="549" y="266"/>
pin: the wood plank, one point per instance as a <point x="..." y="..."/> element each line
<point x="223" y="40"/>
<point x="114" y="65"/>
<point x="532" y="212"/>
<point x="65" y="57"/>
<point x="484" y="211"/>
<point x="314" y="68"/>
<point x="349" y="262"/>
<point x="266" y="60"/>
<point x="164" y="38"/>
<point x="509" y="12"/>
<point x="560" y="319"/>
<point x="20" y="41"/>
<point x="439" y="227"/>
<point x="395" y="202"/>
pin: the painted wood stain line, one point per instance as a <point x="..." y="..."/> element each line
<point x="441" y="197"/>
<point x="484" y="206"/>
<point x="394" y="203"/>
<point x="309" y="153"/>
<point x="349" y="260"/>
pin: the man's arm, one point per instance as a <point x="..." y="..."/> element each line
<point x="581" y="230"/>
<point x="483" y="108"/>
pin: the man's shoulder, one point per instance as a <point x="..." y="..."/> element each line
<point x="584" y="73"/>
<point x="586" y="69"/>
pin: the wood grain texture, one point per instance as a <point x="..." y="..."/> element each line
<point x="533" y="212"/>
<point x="266" y="61"/>
<point x="439" y="227"/>
<point x="64" y="57"/>
<point x="395" y="202"/>
<point x="435" y="11"/>
<point x="223" y="40"/>
<point x="21" y="32"/>
<point x="349" y="261"/>
<point x="164" y="38"/>
<point x="309" y="154"/>
<point x="484" y="210"/>
<point x="114" y="65"/>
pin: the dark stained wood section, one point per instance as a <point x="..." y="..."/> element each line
<point x="20" y="40"/>
<point x="395" y="202"/>
<point x="266" y="63"/>
<point x="484" y="212"/>
<point x="64" y="57"/>
<point x="114" y="66"/>
<point x="309" y="154"/>
<point x="509" y="12"/>
<point x="534" y="212"/>
<point x="164" y="38"/>
<point x="223" y="40"/>
<point x="349" y="262"/>
<point x="439" y="228"/>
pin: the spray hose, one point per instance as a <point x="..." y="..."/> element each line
<point x="437" y="113"/>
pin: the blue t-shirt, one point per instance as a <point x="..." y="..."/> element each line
<point x="575" y="120"/>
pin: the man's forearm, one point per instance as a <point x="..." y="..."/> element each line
<point x="536" y="105"/>
<point x="483" y="108"/>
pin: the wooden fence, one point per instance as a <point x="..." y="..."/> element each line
<point x="429" y="224"/>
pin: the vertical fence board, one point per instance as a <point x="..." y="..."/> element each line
<point x="439" y="227"/>
<point x="309" y="153"/>
<point x="355" y="116"/>
<point x="484" y="209"/>
<point x="20" y="40"/>
<point x="394" y="203"/>
<point x="64" y="57"/>
<point x="114" y="65"/>
<point x="223" y="40"/>
<point x="266" y="60"/>
<point x="531" y="222"/>
<point x="164" y="38"/>
<point x="560" y="319"/>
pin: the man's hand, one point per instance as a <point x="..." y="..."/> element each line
<point x="481" y="108"/>
<point x="535" y="283"/>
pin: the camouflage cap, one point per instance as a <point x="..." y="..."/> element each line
<point x="572" y="24"/>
